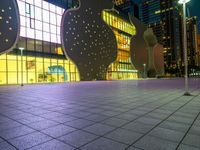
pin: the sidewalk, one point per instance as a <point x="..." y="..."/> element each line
<point x="102" y="115"/>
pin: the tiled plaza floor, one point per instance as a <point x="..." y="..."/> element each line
<point x="107" y="115"/>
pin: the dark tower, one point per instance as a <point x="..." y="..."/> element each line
<point x="164" y="17"/>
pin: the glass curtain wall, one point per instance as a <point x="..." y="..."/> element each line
<point x="122" y="68"/>
<point x="42" y="60"/>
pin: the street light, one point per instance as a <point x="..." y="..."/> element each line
<point x="183" y="2"/>
<point x="144" y="65"/>
<point x="21" y="50"/>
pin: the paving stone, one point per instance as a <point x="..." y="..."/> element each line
<point x="80" y="114"/>
<point x="78" y="138"/>
<point x="63" y="118"/>
<point x="138" y="127"/>
<point x="6" y="146"/>
<point x="44" y="124"/>
<point x="197" y="123"/>
<point x="29" y="140"/>
<point x="15" y="132"/>
<point x="52" y="145"/>
<point x="174" y="126"/>
<point x="104" y="144"/>
<point x="1" y="140"/>
<point x="109" y="113"/>
<point x="51" y="115"/>
<point x="192" y="140"/>
<point x="97" y="118"/>
<point x="134" y="148"/>
<point x="156" y="115"/>
<point x="150" y="121"/>
<point x="79" y="123"/>
<point x="4" y="119"/>
<point x="187" y="147"/>
<point x="58" y="130"/>
<point x="124" y="136"/>
<point x="153" y="143"/>
<point x="31" y="120"/>
<point x="195" y="130"/>
<point x="99" y="129"/>
<point x="115" y="122"/>
<point x="182" y="120"/>
<point x="21" y="116"/>
<point x="127" y="116"/>
<point x="171" y="135"/>
<point x="9" y="125"/>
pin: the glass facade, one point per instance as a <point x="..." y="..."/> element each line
<point x="122" y="68"/>
<point x="38" y="56"/>
<point x="42" y="60"/>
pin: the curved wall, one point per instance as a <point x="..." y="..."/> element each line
<point x="9" y="25"/>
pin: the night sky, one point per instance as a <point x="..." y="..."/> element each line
<point x="193" y="7"/>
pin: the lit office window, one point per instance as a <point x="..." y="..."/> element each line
<point x="35" y="18"/>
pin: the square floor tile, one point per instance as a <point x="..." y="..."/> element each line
<point x="96" y="117"/>
<point x="174" y="126"/>
<point x="99" y="129"/>
<point x="167" y="134"/>
<point x="138" y="127"/>
<point x="1" y="140"/>
<point x="51" y="115"/>
<point x="150" y="121"/>
<point x="58" y="130"/>
<point x="29" y="140"/>
<point x="195" y="130"/>
<point x="104" y="144"/>
<point x="4" y="119"/>
<point x="44" y="124"/>
<point x="31" y="120"/>
<point x="15" y="132"/>
<point x="78" y="138"/>
<point x="109" y="113"/>
<point x="187" y="147"/>
<point x="193" y="140"/>
<point x="115" y="122"/>
<point x="182" y="120"/>
<point x="80" y="114"/>
<point x="52" y="145"/>
<point x="133" y="148"/>
<point x="63" y="118"/>
<point x="124" y="136"/>
<point x="6" y="146"/>
<point x="153" y="143"/>
<point x="127" y="116"/>
<point x="9" y="125"/>
<point x="79" y="123"/>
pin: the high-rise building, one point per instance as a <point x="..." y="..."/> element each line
<point x="127" y="7"/>
<point x="192" y="44"/>
<point x="198" y="47"/>
<point x="164" y="17"/>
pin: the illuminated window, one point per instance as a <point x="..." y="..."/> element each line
<point x="36" y="16"/>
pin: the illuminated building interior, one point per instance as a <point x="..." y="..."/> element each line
<point x="122" y="68"/>
<point x="38" y="56"/>
<point x="42" y="60"/>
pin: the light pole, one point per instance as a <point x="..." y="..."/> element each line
<point x="21" y="50"/>
<point x="144" y="65"/>
<point x="183" y="2"/>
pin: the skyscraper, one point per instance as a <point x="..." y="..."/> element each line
<point x="192" y="44"/>
<point x="165" y="18"/>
